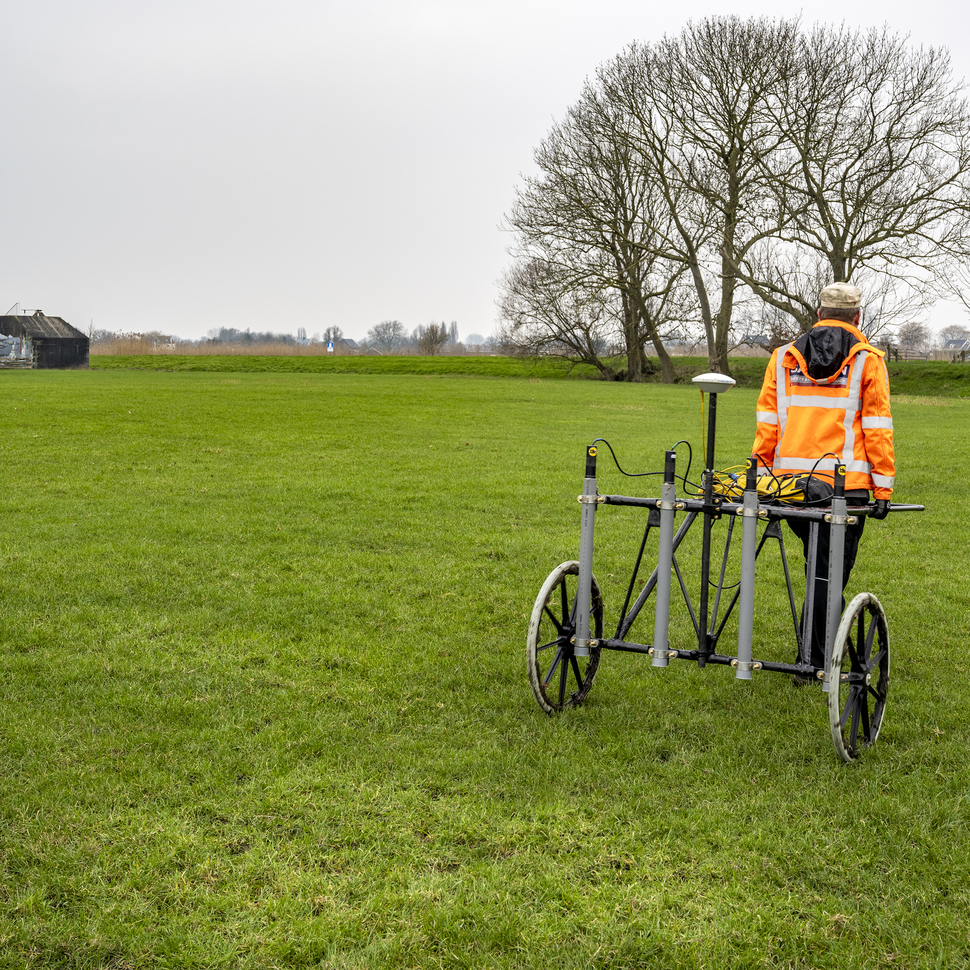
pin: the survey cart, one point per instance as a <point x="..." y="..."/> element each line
<point x="567" y="639"/>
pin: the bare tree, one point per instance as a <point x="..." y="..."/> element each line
<point x="655" y="179"/>
<point x="334" y="334"/>
<point x="701" y="127"/>
<point x="430" y="339"/>
<point x="389" y="335"/>
<point x="545" y="314"/>
<point x="954" y="331"/>
<point x="754" y="158"/>
<point x="873" y="175"/>
<point x="589" y="220"/>
<point x="914" y="335"/>
<point x="100" y="336"/>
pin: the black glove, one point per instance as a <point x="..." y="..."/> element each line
<point x="880" y="509"/>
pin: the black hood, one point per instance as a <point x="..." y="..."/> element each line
<point x="825" y="350"/>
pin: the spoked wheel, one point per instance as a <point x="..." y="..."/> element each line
<point x="860" y="660"/>
<point x="560" y="679"/>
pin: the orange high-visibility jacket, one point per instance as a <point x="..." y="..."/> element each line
<point x="846" y="416"/>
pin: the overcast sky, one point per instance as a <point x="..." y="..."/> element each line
<point x="184" y="165"/>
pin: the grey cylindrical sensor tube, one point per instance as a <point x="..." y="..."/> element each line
<point x="749" y="544"/>
<point x="585" y="584"/>
<point x="665" y="558"/>
<point x="836" y="549"/>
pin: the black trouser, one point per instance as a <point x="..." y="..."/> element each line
<point x="853" y="533"/>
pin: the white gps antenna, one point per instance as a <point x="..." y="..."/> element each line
<point x="713" y="383"/>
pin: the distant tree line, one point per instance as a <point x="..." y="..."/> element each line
<point x="388" y="337"/>
<point x="392" y="337"/>
<point x="230" y="335"/>
<point x="712" y="182"/>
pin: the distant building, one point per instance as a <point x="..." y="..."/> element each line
<point x="47" y="342"/>
<point x="956" y="345"/>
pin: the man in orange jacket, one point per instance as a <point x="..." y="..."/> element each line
<point x="825" y="402"/>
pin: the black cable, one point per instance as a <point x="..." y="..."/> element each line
<point x="690" y="458"/>
<point x="620" y="467"/>
<point x="823" y="500"/>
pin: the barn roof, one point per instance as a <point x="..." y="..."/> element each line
<point x="38" y="324"/>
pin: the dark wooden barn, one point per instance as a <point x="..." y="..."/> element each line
<point x="46" y="341"/>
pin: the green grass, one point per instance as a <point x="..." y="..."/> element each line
<point x="264" y="700"/>
<point x="481" y="366"/>
<point x="914" y="377"/>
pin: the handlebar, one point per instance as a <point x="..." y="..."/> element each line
<point x="893" y="507"/>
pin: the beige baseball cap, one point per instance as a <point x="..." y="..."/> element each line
<point x="841" y="295"/>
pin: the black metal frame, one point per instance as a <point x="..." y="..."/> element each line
<point x="706" y="652"/>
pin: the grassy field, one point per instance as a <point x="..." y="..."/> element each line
<point x="264" y="700"/>
<point x="913" y="377"/>
<point x="478" y="366"/>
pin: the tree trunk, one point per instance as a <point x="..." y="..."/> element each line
<point x="666" y="364"/>
<point x="643" y="324"/>
<point x="634" y="349"/>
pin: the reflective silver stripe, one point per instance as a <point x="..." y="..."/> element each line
<point x="781" y="396"/>
<point x="855" y="385"/>
<point x="767" y="417"/>
<point x="883" y="481"/>
<point x="877" y="423"/>
<point x="812" y="401"/>
<point x="805" y="464"/>
<point x="821" y="465"/>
